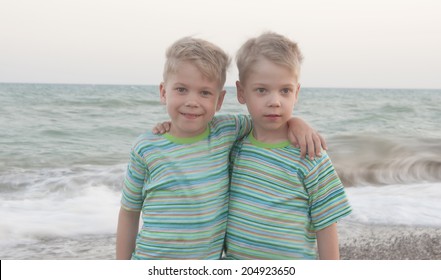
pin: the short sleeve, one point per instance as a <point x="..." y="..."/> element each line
<point x="244" y="125"/>
<point x="132" y="192"/>
<point x="234" y="153"/>
<point x="327" y="198"/>
<point x="235" y="126"/>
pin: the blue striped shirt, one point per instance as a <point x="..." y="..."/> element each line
<point x="181" y="187"/>
<point x="278" y="201"/>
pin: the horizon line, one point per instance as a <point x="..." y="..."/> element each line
<point x="226" y="86"/>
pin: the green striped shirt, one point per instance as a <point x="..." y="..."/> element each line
<point x="278" y="201"/>
<point x="181" y="187"/>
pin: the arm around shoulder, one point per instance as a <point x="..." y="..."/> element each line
<point x="302" y="135"/>
<point x="128" y="226"/>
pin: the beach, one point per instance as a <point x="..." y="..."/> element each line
<point x="357" y="242"/>
<point x="388" y="242"/>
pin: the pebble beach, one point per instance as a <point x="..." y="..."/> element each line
<point x="381" y="242"/>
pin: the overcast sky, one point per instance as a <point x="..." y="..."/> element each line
<point x="368" y="44"/>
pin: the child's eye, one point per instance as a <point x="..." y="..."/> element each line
<point x="205" y="93"/>
<point x="181" y="89"/>
<point x="286" y="91"/>
<point x="260" y="90"/>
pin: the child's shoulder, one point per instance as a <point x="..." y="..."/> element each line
<point x="316" y="160"/>
<point x="293" y="154"/>
<point x="145" y="140"/>
<point x="312" y="164"/>
<point x="147" y="136"/>
<point x="229" y="120"/>
<point x="223" y="118"/>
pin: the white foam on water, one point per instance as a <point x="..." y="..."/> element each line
<point x="46" y="204"/>
<point x="43" y="205"/>
<point x="413" y="205"/>
<point x="93" y="211"/>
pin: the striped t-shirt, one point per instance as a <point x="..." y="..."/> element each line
<point x="278" y="201"/>
<point x="181" y="188"/>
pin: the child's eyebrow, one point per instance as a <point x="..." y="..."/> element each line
<point x="208" y="89"/>
<point x="179" y="84"/>
<point x="289" y="85"/>
<point x="259" y="85"/>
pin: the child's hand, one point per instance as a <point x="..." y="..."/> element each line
<point x="302" y="135"/>
<point x="162" y="128"/>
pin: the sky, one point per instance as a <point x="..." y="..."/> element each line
<point x="350" y="44"/>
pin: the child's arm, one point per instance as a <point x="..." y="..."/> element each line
<point x="327" y="243"/>
<point x="128" y="225"/>
<point x="302" y="135"/>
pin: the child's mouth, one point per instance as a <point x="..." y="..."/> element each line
<point x="191" y="116"/>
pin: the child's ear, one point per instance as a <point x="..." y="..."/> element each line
<point x="240" y="93"/>
<point x="162" y="93"/>
<point x="297" y="92"/>
<point x="220" y="100"/>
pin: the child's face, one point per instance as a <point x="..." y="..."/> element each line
<point x="270" y="92"/>
<point x="191" y="100"/>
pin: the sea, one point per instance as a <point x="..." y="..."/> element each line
<point x="64" y="151"/>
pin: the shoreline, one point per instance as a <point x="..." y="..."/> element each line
<point x="357" y="241"/>
<point x="382" y="242"/>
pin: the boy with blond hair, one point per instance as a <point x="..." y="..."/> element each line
<point x="179" y="181"/>
<point x="281" y="204"/>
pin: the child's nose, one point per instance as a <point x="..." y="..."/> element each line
<point x="274" y="100"/>
<point x="192" y="101"/>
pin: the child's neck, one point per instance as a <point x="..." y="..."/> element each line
<point x="187" y="138"/>
<point x="271" y="136"/>
<point x="187" y="134"/>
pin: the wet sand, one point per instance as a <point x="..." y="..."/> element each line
<point x="381" y="242"/>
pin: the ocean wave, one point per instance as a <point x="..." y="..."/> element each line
<point x="37" y="183"/>
<point x="410" y="205"/>
<point x="381" y="160"/>
<point x="65" y="202"/>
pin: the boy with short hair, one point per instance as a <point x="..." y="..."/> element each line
<point x="280" y="204"/>
<point x="180" y="180"/>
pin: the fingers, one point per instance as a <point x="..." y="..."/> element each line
<point x="323" y="141"/>
<point x="303" y="148"/>
<point x="293" y="139"/>
<point x="317" y="144"/>
<point x="161" y="128"/>
<point x="156" y="130"/>
<point x="167" y="126"/>
<point x="310" y="147"/>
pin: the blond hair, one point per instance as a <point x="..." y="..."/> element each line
<point x="272" y="46"/>
<point x="211" y="60"/>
